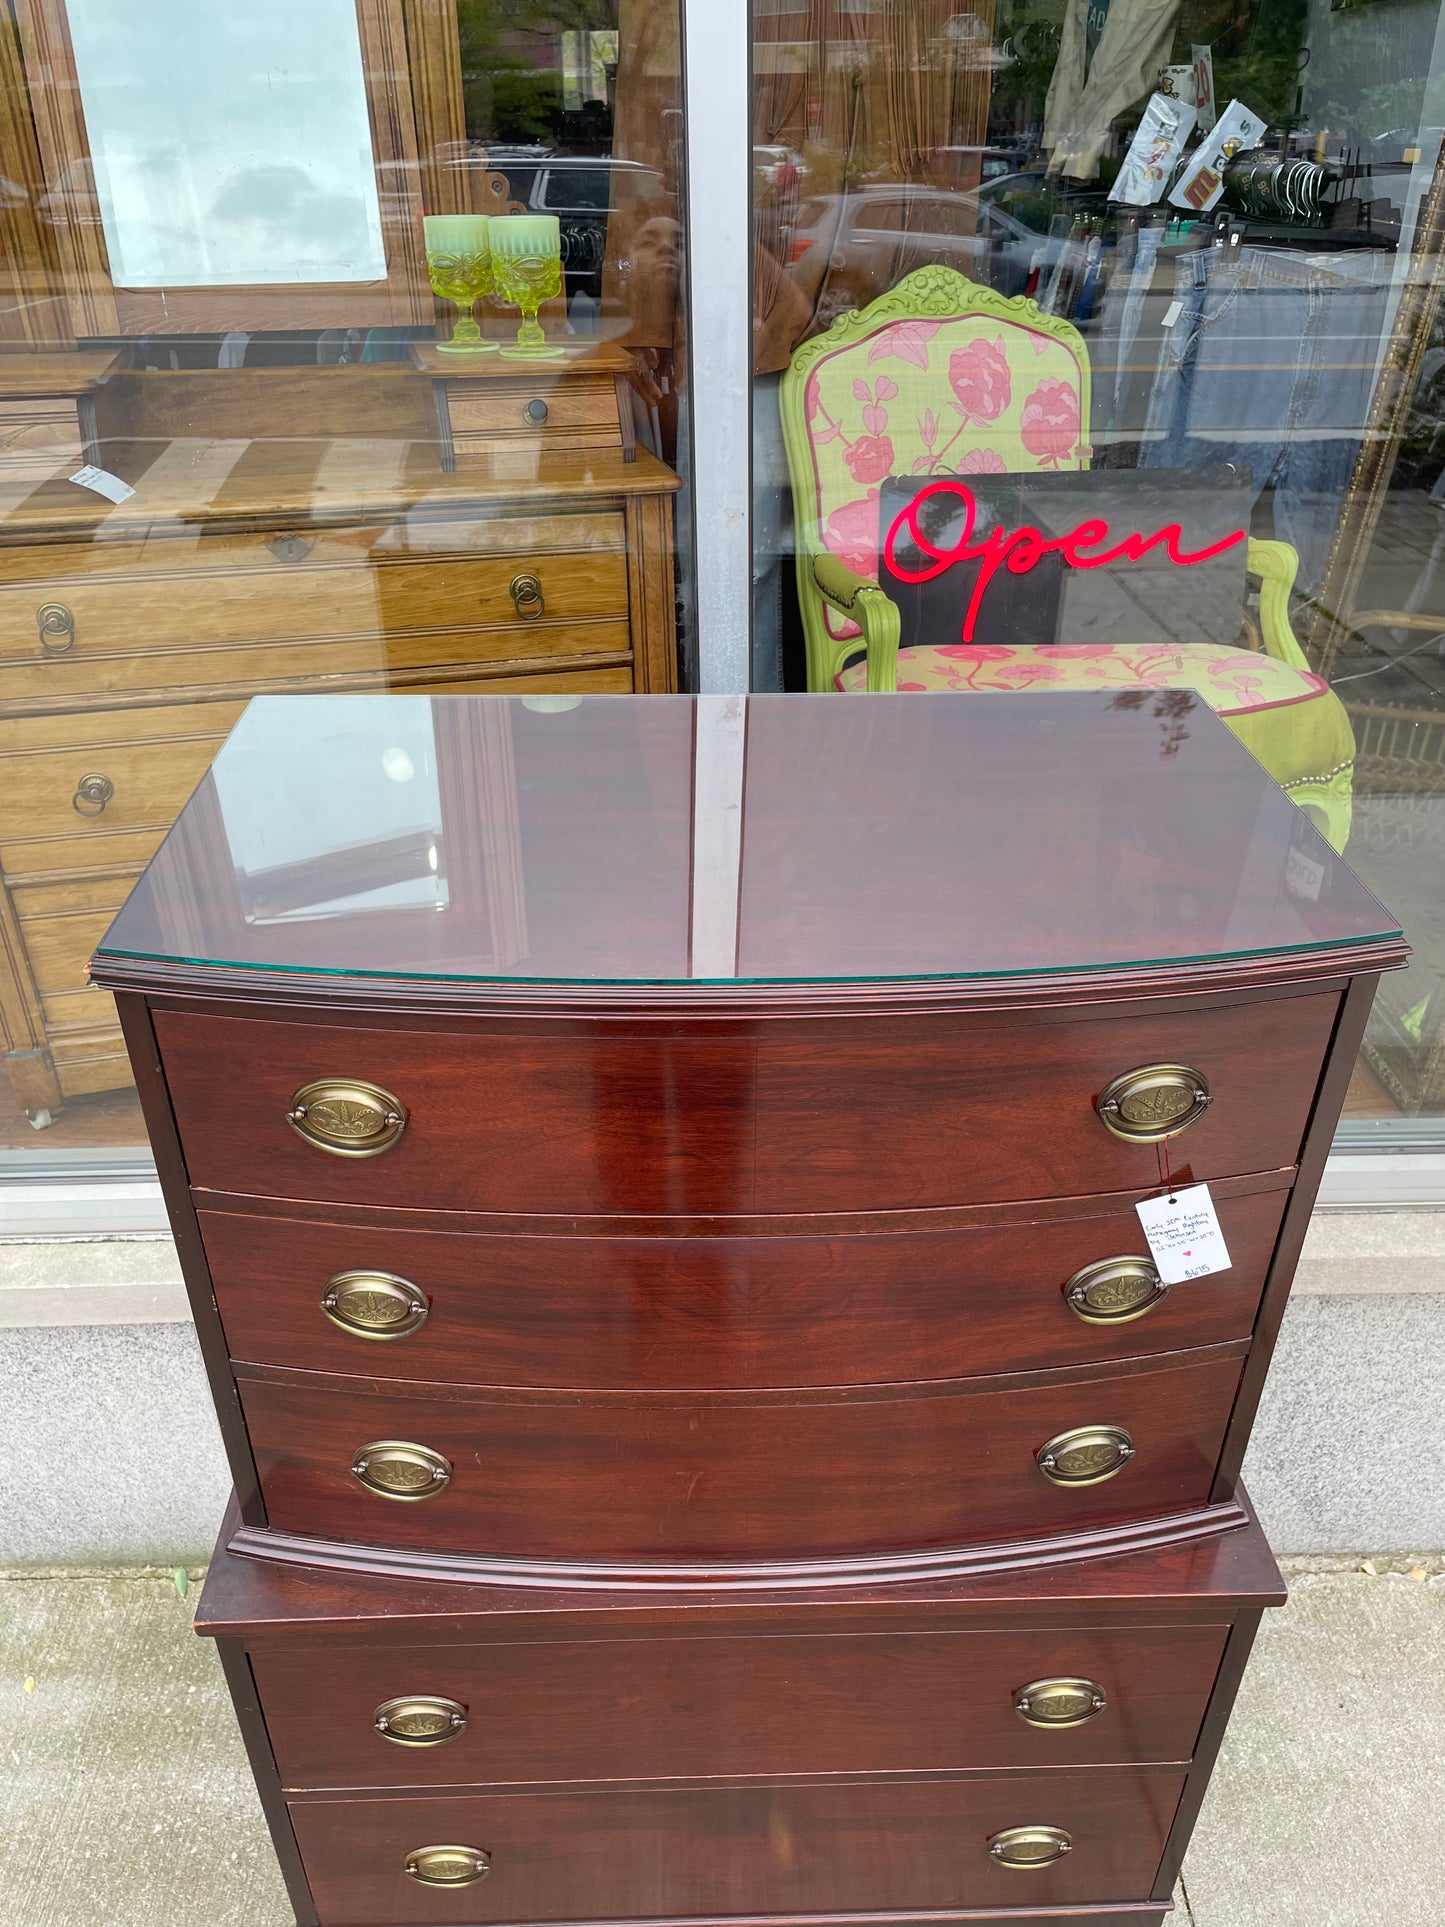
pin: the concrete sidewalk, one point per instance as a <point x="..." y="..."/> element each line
<point x="127" y="1800"/>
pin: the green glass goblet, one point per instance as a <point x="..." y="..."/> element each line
<point x="459" y="267"/>
<point x="527" y="270"/>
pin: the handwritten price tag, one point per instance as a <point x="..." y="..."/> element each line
<point x="1185" y="1240"/>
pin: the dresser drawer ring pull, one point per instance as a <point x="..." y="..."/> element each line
<point x="347" y="1117"/>
<point x="527" y="596"/>
<point x="1115" y="1291"/>
<point x="397" y="1469"/>
<point x="448" y="1866"/>
<point x="420" y="1720"/>
<point x="1025" y="1848"/>
<point x="1087" y="1455"/>
<point x="56" y="626"/>
<point x="1153" y="1102"/>
<point x="92" y="793"/>
<point x="1057" y="1704"/>
<point x="375" y="1304"/>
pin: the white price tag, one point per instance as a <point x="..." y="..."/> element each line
<point x="1303" y="876"/>
<point x="102" y="482"/>
<point x="1172" y="314"/>
<point x="1185" y="1240"/>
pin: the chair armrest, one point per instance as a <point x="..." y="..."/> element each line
<point x="1276" y="564"/>
<point x="876" y="615"/>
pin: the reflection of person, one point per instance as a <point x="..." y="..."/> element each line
<point x="645" y="251"/>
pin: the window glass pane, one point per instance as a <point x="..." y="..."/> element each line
<point x="1139" y="262"/>
<point x="340" y="350"/>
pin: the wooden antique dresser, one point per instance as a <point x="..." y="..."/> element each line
<point x="657" y="1182"/>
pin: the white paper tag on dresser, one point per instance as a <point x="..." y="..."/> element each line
<point x="1185" y="1240"/>
<point x="101" y="482"/>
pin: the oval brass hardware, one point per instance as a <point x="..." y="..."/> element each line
<point x="347" y="1117"/>
<point x="1156" y="1101"/>
<point x="374" y="1304"/>
<point x="527" y="596"/>
<point x="1026" y="1847"/>
<point x="290" y="548"/>
<point x="1114" y="1291"/>
<point x="397" y="1469"/>
<point x="92" y="793"/>
<point x="1086" y="1456"/>
<point x="1059" y="1702"/>
<point x="422" y="1721"/>
<point x="448" y="1866"/>
<point x="56" y="625"/>
<point x="536" y="411"/>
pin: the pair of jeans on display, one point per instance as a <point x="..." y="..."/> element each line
<point x="1269" y="366"/>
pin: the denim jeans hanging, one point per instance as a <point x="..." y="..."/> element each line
<point x="1269" y="366"/>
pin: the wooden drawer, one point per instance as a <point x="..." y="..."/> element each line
<point x="714" y="1708"/>
<point x="582" y="412"/>
<point x="882" y="1847"/>
<point x="245" y="617"/>
<point x="644" y="1314"/>
<point x="648" y="1478"/>
<point x="832" y="1118"/>
<point x="151" y="758"/>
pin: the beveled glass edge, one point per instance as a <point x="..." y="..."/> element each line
<point x="1024" y="974"/>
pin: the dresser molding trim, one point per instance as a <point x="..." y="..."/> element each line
<point x="304" y="996"/>
<point x="332" y="1555"/>
<point x="883" y="1391"/>
<point x="1022" y="1212"/>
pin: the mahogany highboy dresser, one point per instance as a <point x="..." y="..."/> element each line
<point x="656" y="1181"/>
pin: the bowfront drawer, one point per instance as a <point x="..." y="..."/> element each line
<point x="834" y="1117"/>
<point x="82" y="783"/>
<point x="322" y="604"/>
<point x="437" y="1716"/>
<point x="647" y="1314"/>
<point x="661" y="1478"/>
<point x="885" y="1847"/>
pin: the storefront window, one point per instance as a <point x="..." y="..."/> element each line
<point x="340" y="350"/>
<point x="1122" y="266"/>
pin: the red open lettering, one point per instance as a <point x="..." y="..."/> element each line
<point x="1021" y="549"/>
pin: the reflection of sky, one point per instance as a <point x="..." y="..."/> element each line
<point x="380" y="784"/>
<point x="231" y="142"/>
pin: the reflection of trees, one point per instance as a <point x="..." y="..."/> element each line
<point x="511" y="61"/>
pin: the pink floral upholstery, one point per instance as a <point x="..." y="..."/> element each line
<point x="972" y="396"/>
<point x="1232" y="681"/>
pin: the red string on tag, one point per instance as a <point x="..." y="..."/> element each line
<point x="1166" y="1177"/>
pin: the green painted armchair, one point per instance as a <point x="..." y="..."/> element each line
<point x="941" y="376"/>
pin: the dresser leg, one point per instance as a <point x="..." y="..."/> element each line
<point x="35" y="1084"/>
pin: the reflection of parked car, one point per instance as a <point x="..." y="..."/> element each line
<point x="880" y="233"/>
<point x="583" y="192"/>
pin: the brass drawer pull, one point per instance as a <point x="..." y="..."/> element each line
<point x="448" y="1866"/>
<point x="56" y="625"/>
<point x="527" y="596"/>
<point x="290" y="548"/>
<point x="536" y="411"/>
<point x="396" y="1469"/>
<point x="1059" y="1702"/>
<point x="374" y="1304"/>
<point x="1028" y="1847"/>
<point x="1156" y="1101"/>
<point x="347" y="1117"/>
<point x="92" y="793"/>
<point x="422" y="1721"/>
<point x="1086" y="1456"/>
<point x="1115" y="1291"/>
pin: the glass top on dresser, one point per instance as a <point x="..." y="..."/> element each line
<point x="769" y="839"/>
